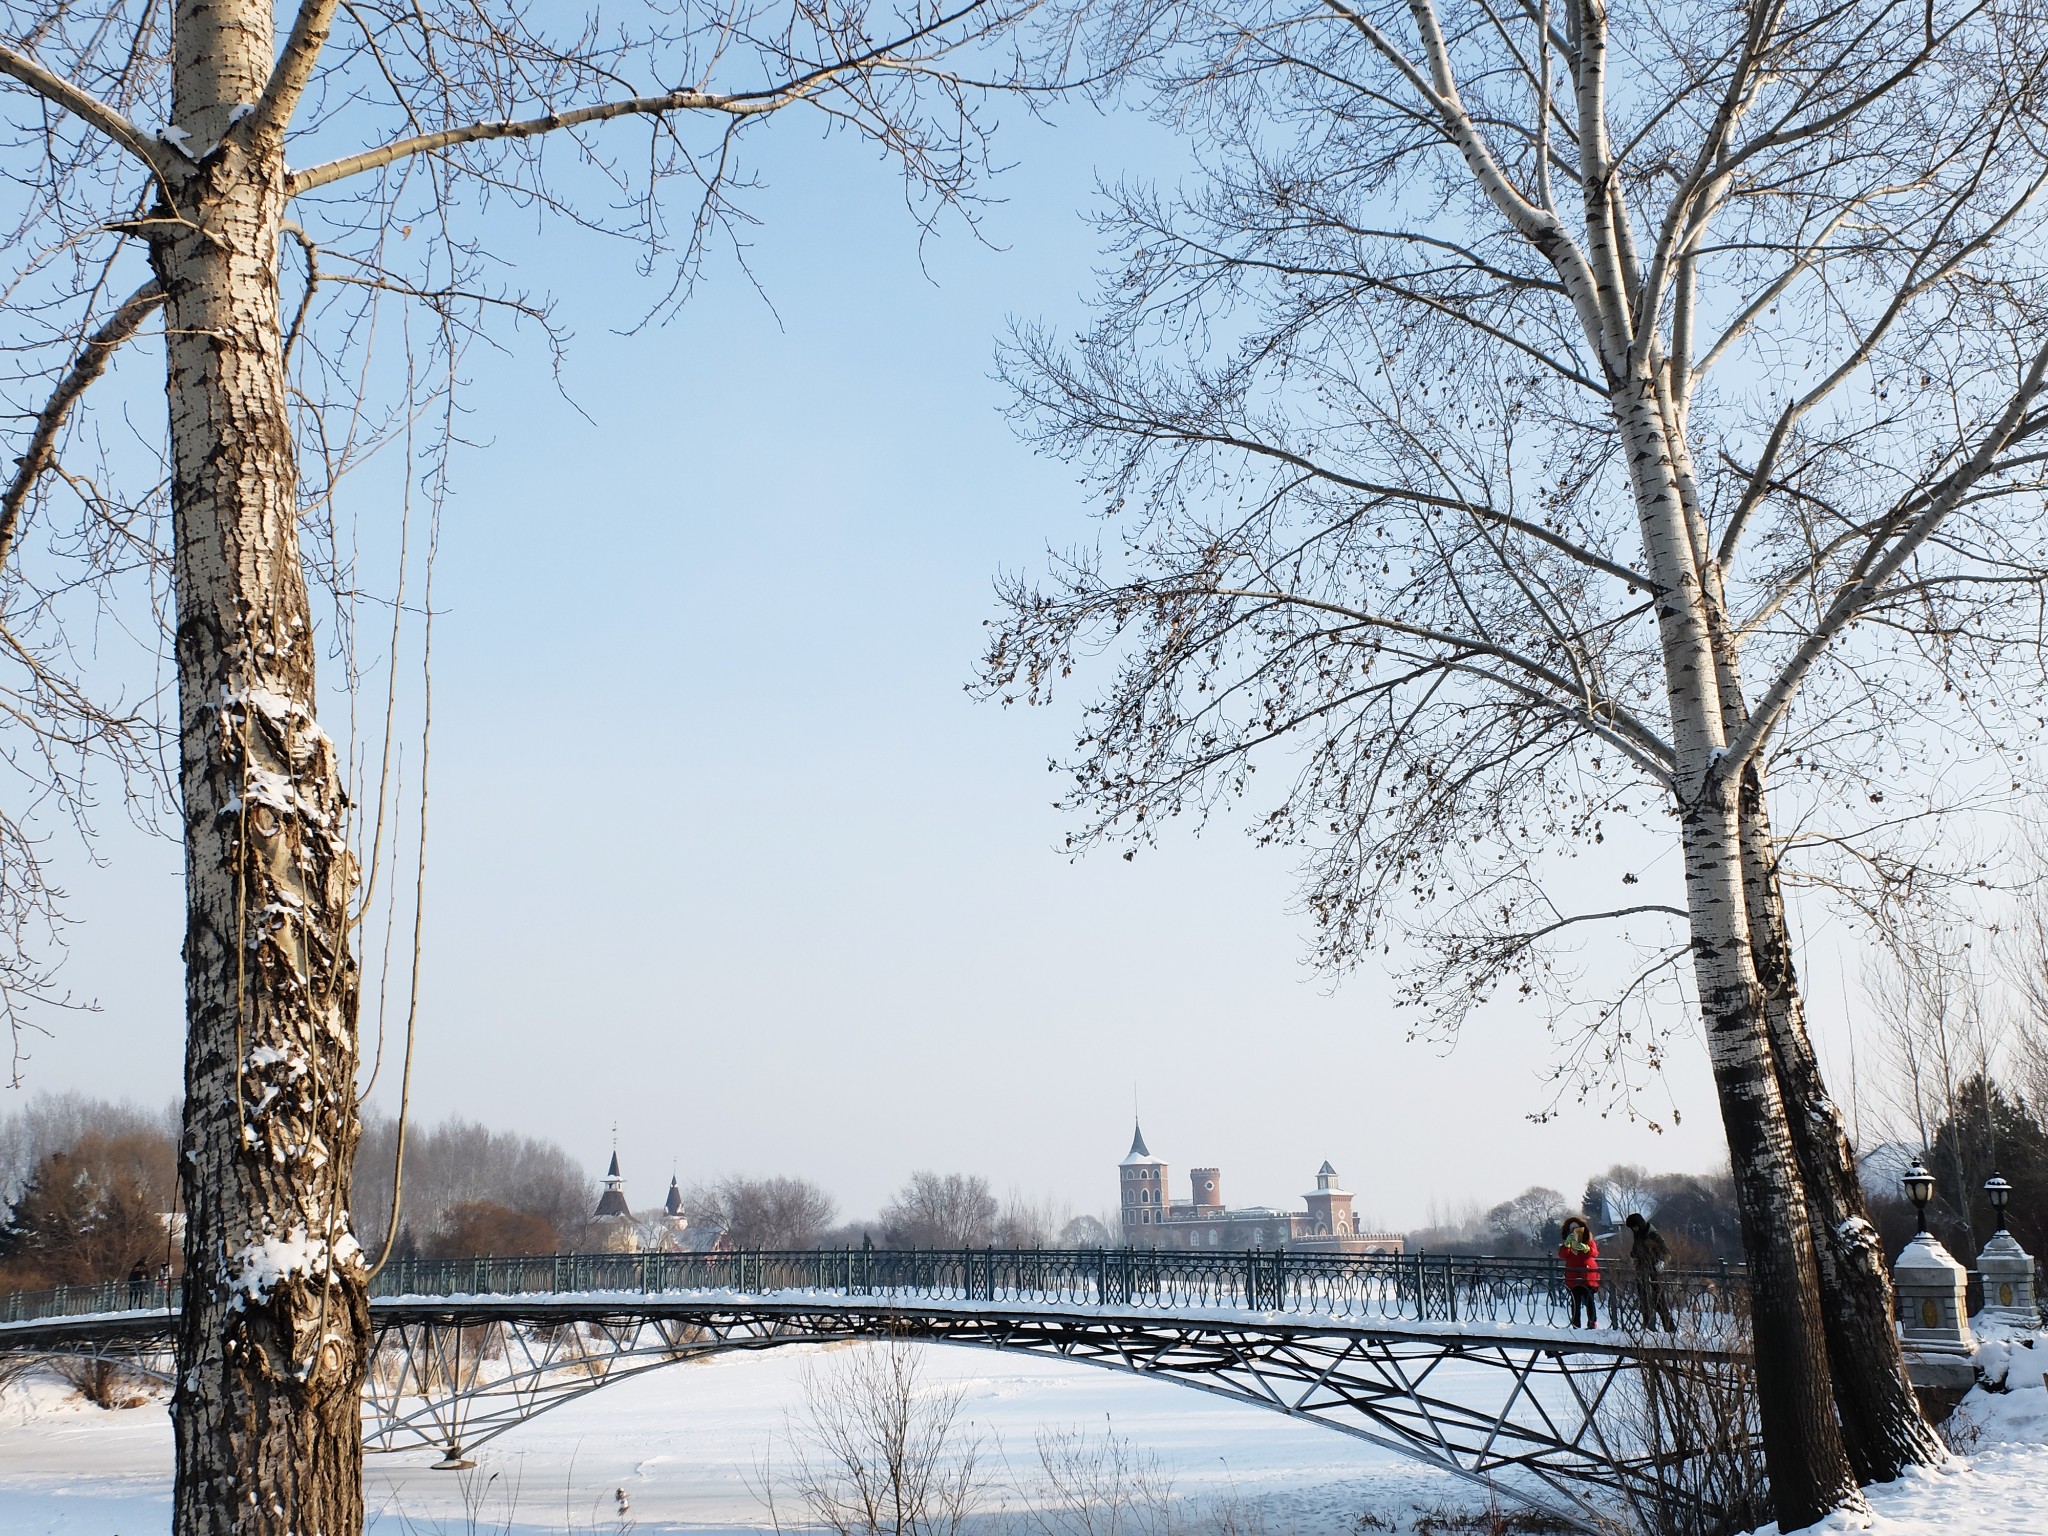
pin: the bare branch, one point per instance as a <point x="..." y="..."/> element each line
<point x="91" y="362"/>
<point x="741" y="104"/>
<point x="83" y="105"/>
<point x="310" y="29"/>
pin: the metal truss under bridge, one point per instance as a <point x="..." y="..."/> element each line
<point x="1465" y="1364"/>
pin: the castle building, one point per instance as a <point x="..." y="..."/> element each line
<point x="1151" y="1218"/>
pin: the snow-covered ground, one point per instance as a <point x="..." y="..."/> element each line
<point x="686" y="1446"/>
<point x="1999" y="1485"/>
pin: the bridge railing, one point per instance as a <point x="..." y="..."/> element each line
<point x="90" y="1300"/>
<point x="1363" y="1287"/>
<point x="1369" y="1287"/>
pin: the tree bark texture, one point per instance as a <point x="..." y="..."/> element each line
<point x="1883" y="1429"/>
<point x="1809" y="1468"/>
<point x="272" y="1344"/>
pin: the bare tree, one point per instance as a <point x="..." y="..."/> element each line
<point x="879" y="1452"/>
<point x="1086" y="1231"/>
<point x="459" y="1162"/>
<point x="1935" y="1029"/>
<point x="1027" y="1223"/>
<point x="57" y="1122"/>
<point x="1540" y="422"/>
<point x="1624" y="1187"/>
<point x="777" y="1213"/>
<point x="1530" y="1219"/>
<point x="2022" y="956"/>
<point x="934" y="1210"/>
<point x="234" y="191"/>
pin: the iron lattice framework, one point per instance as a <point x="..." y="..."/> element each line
<point x="1460" y="1363"/>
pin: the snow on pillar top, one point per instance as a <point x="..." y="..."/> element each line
<point x="1933" y="1314"/>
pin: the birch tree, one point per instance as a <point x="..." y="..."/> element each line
<point x="231" y="194"/>
<point x="1547" y="429"/>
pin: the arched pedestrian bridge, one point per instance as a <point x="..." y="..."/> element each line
<point x="1467" y="1364"/>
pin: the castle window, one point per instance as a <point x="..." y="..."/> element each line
<point x="1212" y="1237"/>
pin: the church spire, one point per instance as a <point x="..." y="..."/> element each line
<point x="613" y="1201"/>
<point x="1138" y="1147"/>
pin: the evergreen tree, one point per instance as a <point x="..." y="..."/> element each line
<point x="1988" y="1131"/>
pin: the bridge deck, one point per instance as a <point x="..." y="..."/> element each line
<point x="1461" y="1363"/>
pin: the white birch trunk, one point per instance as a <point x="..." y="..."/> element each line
<point x="1809" y="1468"/>
<point x="1883" y="1429"/>
<point x="271" y="1347"/>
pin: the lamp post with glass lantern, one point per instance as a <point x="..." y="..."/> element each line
<point x="1919" y="1189"/>
<point x="1997" y="1191"/>
<point x="2006" y="1267"/>
<point x="1934" y="1318"/>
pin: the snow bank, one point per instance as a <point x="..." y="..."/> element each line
<point x="1998" y="1486"/>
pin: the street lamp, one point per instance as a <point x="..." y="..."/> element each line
<point x="1997" y="1191"/>
<point x="1919" y="1189"/>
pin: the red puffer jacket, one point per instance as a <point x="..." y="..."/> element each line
<point x="1581" y="1269"/>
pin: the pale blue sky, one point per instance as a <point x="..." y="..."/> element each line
<point x="723" y="852"/>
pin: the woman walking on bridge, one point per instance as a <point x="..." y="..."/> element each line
<point x="1581" y="1257"/>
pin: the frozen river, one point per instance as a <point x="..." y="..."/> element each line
<point x="687" y="1446"/>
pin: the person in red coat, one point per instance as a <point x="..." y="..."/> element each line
<point x="1581" y="1257"/>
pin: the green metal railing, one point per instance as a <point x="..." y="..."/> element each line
<point x="1352" y="1287"/>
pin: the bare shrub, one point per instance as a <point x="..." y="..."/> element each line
<point x="1495" y="1520"/>
<point x="102" y="1382"/>
<point x="1098" y="1485"/>
<point x="1689" y="1412"/>
<point x="877" y="1451"/>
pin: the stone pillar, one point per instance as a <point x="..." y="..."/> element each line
<point x="1934" y="1321"/>
<point x="2008" y="1273"/>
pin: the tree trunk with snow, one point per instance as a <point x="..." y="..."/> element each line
<point x="272" y="1345"/>
<point x="1883" y="1429"/>
<point x="1809" y="1470"/>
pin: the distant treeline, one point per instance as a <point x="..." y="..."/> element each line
<point x="90" y="1194"/>
<point x="89" y="1191"/>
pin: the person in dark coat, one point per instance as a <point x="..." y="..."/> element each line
<point x="1581" y="1257"/>
<point x="1648" y="1256"/>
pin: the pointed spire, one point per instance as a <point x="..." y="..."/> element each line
<point x="674" y="1204"/>
<point x="1138" y="1147"/>
<point x="613" y="1201"/>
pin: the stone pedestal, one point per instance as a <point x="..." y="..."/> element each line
<point x="1934" y="1324"/>
<point x="1933" y="1315"/>
<point x="2008" y="1273"/>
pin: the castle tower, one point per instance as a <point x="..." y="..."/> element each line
<point x="1144" y="1200"/>
<point x="612" y="1222"/>
<point x="1208" y="1187"/>
<point x="673" y="1205"/>
<point x="1329" y="1208"/>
